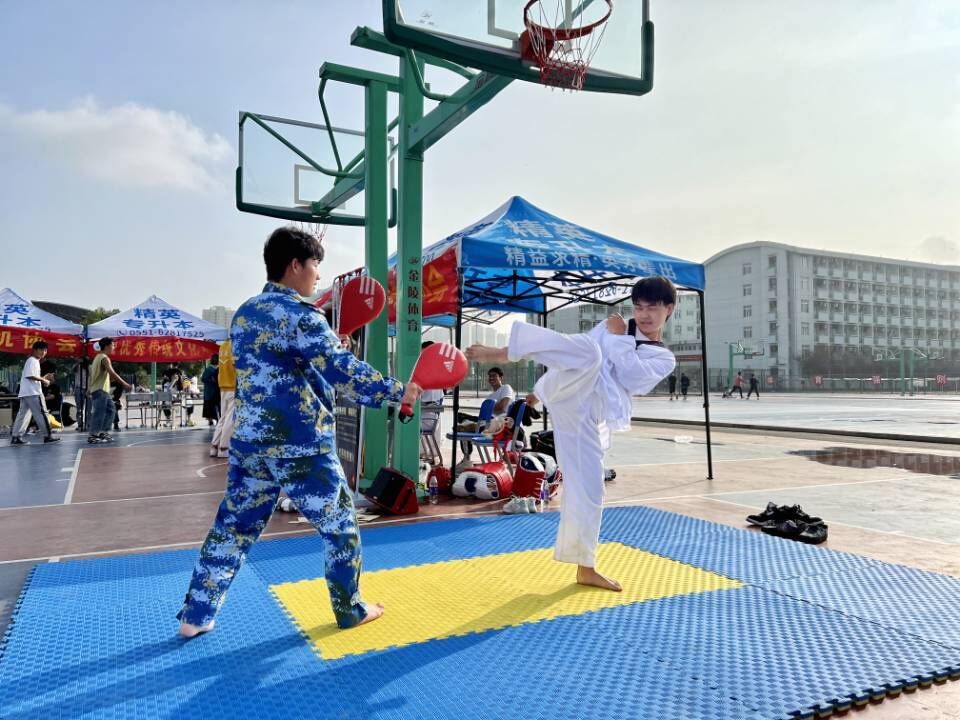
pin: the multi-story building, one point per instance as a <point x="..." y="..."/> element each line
<point x="219" y="315"/>
<point x="788" y="301"/>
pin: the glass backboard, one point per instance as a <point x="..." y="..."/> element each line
<point x="282" y="169"/>
<point x="485" y="34"/>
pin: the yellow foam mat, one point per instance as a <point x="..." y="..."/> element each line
<point x="458" y="597"/>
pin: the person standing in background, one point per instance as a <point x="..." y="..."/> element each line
<point x="211" y="391"/>
<point x="227" y="382"/>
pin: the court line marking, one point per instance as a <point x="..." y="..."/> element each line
<point x="73" y="478"/>
<point x="201" y="472"/>
<point x="114" y="500"/>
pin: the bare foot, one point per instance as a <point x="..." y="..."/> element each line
<point x="373" y="612"/>
<point x="589" y="576"/>
<point x="485" y="353"/>
<point x="189" y="631"/>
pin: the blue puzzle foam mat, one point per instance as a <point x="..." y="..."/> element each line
<point x="811" y="631"/>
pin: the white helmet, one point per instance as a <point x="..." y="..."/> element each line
<point x="467" y="483"/>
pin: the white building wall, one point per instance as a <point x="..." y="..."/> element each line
<point x="856" y="302"/>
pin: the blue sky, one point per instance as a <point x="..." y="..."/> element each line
<point x="824" y="124"/>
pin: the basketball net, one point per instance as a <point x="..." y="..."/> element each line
<point x="561" y="45"/>
<point x="314" y="229"/>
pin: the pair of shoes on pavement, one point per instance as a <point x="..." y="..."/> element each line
<point x="791" y="522"/>
<point x="520" y="505"/>
<point x="100" y="439"/>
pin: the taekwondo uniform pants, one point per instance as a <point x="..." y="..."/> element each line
<point x="317" y="487"/>
<point x="570" y="389"/>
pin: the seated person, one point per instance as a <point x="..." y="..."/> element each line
<point x="501" y="393"/>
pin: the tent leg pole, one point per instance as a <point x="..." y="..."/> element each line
<point x="458" y="331"/>
<point x="543" y="323"/>
<point x="703" y="382"/>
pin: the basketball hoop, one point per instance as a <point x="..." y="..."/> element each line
<point x="562" y="51"/>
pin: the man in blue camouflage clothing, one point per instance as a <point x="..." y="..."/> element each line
<point x="289" y="363"/>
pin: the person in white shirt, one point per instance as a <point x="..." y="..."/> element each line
<point x="588" y="386"/>
<point x="32" y="384"/>
<point x="501" y="393"/>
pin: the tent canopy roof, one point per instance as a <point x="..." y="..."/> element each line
<point x="155" y="317"/>
<point x="519" y="258"/>
<point x="21" y="314"/>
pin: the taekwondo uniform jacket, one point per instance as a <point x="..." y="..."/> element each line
<point x="631" y="365"/>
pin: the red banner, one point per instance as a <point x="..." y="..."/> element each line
<point x="158" y="349"/>
<point x="439" y="287"/>
<point x="19" y="341"/>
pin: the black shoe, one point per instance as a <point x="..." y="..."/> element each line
<point x="50" y="439"/>
<point x="811" y="533"/>
<point x="17" y="441"/>
<point x="795" y="512"/>
<point x="814" y="533"/>
<point x="789" y="529"/>
<point x="776" y="514"/>
<point x="773" y="513"/>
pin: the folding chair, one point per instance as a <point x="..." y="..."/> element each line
<point x="466" y="439"/>
<point x="429" y="422"/>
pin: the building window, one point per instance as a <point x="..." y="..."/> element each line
<point x="773" y="348"/>
<point x="748" y="310"/>
<point x="747" y="332"/>
<point x="747" y="290"/>
<point x="804" y="283"/>
<point x="773" y="306"/>
<point x="772" y="284"/>
<point x="773" y="328"/>
<point x="804" y="263"/>
<point x="804" y="328"/>
<point x="747" y="268"/>
<point x="805" y="306"/>
<point x="772" y="262"/>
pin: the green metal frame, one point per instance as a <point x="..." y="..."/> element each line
<point x="505" y="63"/>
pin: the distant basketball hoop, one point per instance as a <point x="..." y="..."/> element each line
<point x="562" y="50"/>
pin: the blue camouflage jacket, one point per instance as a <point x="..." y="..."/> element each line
<point x="289" y="363"/>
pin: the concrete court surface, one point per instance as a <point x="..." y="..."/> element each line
<point x="893" y="501"/>
<point x="931" y="414"/>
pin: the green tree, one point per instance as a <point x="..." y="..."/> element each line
<point x="98" y="314"/>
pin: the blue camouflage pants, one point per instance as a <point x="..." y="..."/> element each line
<point x="317" y="486"/>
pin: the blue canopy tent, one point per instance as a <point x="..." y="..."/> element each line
<point x="520" y="258"/>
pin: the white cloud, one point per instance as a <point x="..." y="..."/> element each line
<point x="129" y="145"/>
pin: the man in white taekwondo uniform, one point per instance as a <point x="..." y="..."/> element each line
<point x="587" y="388"/>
